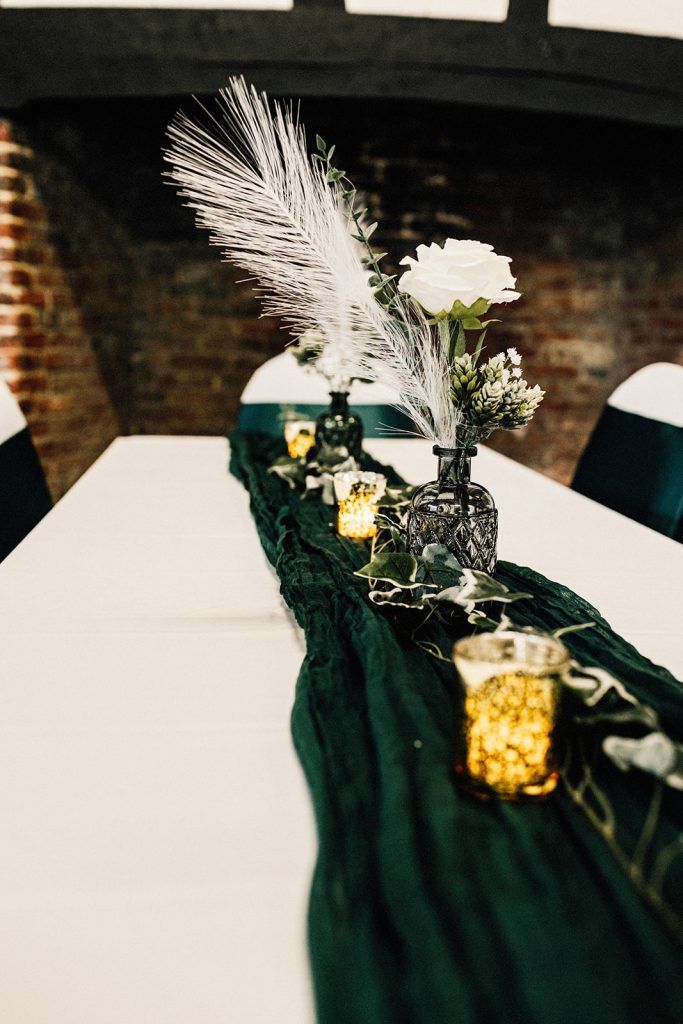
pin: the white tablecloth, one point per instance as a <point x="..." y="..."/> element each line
<point x="157" y="839"/>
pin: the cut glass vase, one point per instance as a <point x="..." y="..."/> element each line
<point x="455" y="512"/>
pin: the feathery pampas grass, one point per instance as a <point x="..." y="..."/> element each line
<point x="244" y="168"/>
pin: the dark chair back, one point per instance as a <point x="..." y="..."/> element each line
<point x="633" y="461"/>
<point x="24" y="497"/>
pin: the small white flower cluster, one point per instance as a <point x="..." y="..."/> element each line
<point x="310" y="350"/>
<point x="493" y="394"/>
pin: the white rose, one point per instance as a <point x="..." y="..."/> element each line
<point x="462" y="269"/>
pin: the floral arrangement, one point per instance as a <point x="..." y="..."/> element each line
<point x="296" y="224"/>
<point x="312" y="351"/>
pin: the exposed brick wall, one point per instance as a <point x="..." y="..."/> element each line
<point x="45" y="352"/>
<point x="198" y="339"/>
<point x="594" y="229"/>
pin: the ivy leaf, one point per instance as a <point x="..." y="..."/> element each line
<point x="397" y="598"/>
<point x="292" y="471"/>
<point x="479" y="619"/>
<point x="563" y="630"/>
<point x="476" y="587"/>
<point x="441" y="562"/>
<point x="397" y="567"/>
<point x="433" y="650"/>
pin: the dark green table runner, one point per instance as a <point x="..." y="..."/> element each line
<point x="426" y="906"/>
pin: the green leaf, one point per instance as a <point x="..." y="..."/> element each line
<point x="437" y="556"/>
<point x="321" y="144"/>
<point x="479" y="307"/>
<point x="370" y="230"/>
<point x="471" y="323"/>
<point x="292" y="471"/>
<point x="481" y="620"/>
<point x="563" y="630"/>
<point x="459" y="311"/>
<point x="433" y="650"/>
<point x="334" y="175"/>
<point x="397" y="598"/>
<point x="460" y="342"/>
<point x="330" y="152"/>
<point x="477" y="351"/>
<point x="397" y="567"/>
<point x="476" y="587"/>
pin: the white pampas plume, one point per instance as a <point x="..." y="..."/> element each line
<point x="410" y="359"/>
<point x="246" y="172"/>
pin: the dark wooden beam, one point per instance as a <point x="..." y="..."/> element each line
<point x="322" y="50"/>
<point x="337" y="4"/>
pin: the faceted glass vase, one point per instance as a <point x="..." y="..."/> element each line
<point x="453" y="511"/>
<point x="339" y="426"/>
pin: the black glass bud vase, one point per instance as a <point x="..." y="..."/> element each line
<point x="339" y="426"/>
<point x="455" y="512"/>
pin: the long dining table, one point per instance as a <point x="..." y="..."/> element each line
<point x="157" y="836"/>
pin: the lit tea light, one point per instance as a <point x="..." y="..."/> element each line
<point x="300" y="437"/>
<point x="358" y="494"/>
<point x="511" y="685"/>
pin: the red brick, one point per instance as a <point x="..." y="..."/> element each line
<point x="31" y="384"/>
<point x="14" y="230"/>
<point x="12" y="318"/>
<point x="21" y="209"/>
<point x="20" y="277"/>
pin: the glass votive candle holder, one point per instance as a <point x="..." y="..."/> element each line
<point x="357" y="493"/>
<point x="300" y="437"/>
<point x="511" y="694"/>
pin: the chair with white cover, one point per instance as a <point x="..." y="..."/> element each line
<point x="633" y="461"/>
<point x="24" y="497"/>
<point x="281" y="387"/>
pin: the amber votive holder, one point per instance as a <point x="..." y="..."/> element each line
<point x="300" y="437"/>
<point x="507" y="739"/>
<point x="358" y="493"/>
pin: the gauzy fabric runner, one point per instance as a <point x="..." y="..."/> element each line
<point x="428" y="907"/>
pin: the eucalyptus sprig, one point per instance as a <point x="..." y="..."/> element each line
<point x="347" y="194"/>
